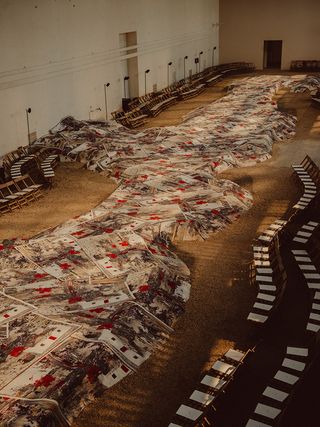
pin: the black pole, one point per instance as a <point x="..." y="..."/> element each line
<point x="105" y="98"/>
<point x="201" y="53"/>
<point x="169" y="64"/>
<point x="28" y="111"/>
<point x="214" y="48"/>
<point x="145" y="80"/>
<point x="184" y="65"/>
<point x="124" y="83"/>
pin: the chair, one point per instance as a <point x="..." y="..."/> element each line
<point x="27" y="185"/>
<point x="274" y="397"/>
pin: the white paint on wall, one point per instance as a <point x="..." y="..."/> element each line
<point x="56" y="55"/>
<point x="245" y="24"/>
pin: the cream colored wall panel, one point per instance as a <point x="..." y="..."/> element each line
<point x="56" y="55"/>
<point x="245" y="24"/>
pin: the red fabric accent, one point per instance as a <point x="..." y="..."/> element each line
<point x="78" y="233"/>
<point x="92" y="373"/>
<point x="108" y="230"/>
<point x="97" y="310"/>
<point x="45" y="381"/>
<point x="105" y="326"/>
<point x="65" y="266"/>
<point x="73" y="300"/>
<point x="16" y="351"/>
<point x="113" y="256"/>
<point x="43" y="290"/>
<point x="40" y="275"/>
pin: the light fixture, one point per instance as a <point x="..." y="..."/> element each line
<point x="213" y="49"/>
<point x="145" y="80"/>
<point x="200" y="53"/>
<point x="124" y="85"/>
<point x="196" y="61"/>
<point x="168" y="79"/>
<point x="106" y="85"/>
<point x="28" y="111"/>
<point x="184" y="66"/>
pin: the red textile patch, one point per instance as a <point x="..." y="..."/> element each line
<point x="113" y="256"/>
<point x="172" y="285"/>
<point x="105" y="326"/>
<point x="43" y="290"/>
<point x="73" y="300"/>
<point x="92" y="373"/>
<point x="77" y="233"/>
<point x="65" y="266"/>
<point x="44" y="381"/>
<point x="108" y="230"/>
<point x="97" y="310"/>
<point x="40" y="275"/>
<point x="16" y="351"/>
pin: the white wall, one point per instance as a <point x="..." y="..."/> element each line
<point x="245" y="24"/>
<point x="56" y="55"/>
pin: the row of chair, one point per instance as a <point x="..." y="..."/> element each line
<point x="159" y="104"/>
<point x="36" y="161"/>
<point x="274" y="397"/>
<point x="48" y="165"/>
<point x="310" y="65"/>
<point x="267" y="270"/>
<point x="306" y="253"/>
<point x="131" y="119"/>
<point x="17" y="193"/>
<point x="16" y="167"/>
<point x="305" y="249"/>
<point x="267" y="273"/>
<point x="315" y="100"/>
<point x="196" y="409"/>
<point x="152" y="104"/>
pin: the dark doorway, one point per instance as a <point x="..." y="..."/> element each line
<point x="272" y="54"/>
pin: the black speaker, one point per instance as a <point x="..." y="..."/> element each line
<point x="125" y="104"/>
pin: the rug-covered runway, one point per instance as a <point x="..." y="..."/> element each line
<point x="87" y="302"/>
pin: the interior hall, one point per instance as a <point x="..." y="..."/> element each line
<point x="159" y="213"/>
